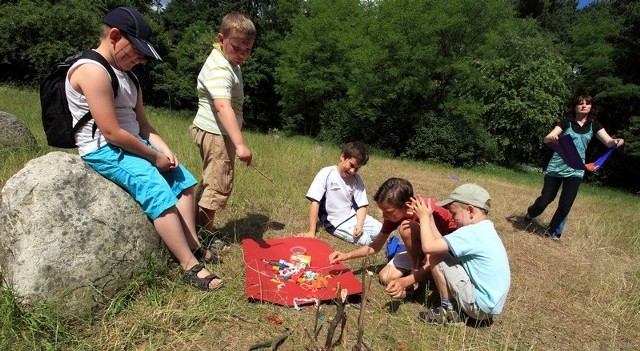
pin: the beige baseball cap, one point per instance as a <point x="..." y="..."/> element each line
<point x="470" y="194"/>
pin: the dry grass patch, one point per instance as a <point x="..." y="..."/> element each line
<point x="579" y="294"/>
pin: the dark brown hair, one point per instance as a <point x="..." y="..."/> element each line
<point x="395" y="192"/>
<point x="357" y="150"/>
<point x="571" y="113"/>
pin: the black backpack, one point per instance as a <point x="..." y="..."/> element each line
<point x="56" y="117"/>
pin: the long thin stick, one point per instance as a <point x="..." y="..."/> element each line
<point x="261" y="173"/>
<point x="328" y="345"/>
<point x="366" y="286"/>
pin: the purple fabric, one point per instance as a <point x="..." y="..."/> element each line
<point x="568" y="152"/>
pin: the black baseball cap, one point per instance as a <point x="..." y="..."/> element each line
<point x="134" y="27"/>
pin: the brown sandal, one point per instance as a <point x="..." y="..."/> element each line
<point x="191" y="276"/>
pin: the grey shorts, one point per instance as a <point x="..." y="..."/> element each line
<point x="461" y="286"/>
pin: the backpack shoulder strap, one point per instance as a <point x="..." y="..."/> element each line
<point x="93" y="55"/>
<point x="134" y="78"/>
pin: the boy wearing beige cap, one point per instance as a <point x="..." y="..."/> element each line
<point x="470" y="264"/>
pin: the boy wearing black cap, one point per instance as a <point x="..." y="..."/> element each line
<point x="125" y="148"/>
<point x="469" y="264"/>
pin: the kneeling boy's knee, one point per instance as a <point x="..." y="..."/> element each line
<point x="385" y="276"/>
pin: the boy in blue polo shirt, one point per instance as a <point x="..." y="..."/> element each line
<point x="470" y="265"/>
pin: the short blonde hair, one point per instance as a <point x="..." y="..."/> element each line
<point x="462" y="204"/>
<point x="239" y="22"/>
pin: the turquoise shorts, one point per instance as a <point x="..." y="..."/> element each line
<point x="155" y="191"/>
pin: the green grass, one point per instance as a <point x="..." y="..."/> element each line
<point x="580" y="294"/>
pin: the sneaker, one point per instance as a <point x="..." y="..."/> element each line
<point x="552" y="236"/>
<point x="439" y="315"/>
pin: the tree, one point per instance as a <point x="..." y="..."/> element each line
<point x="47" y="34"/>
<point x="35" y="35"/>
<point x="554" y="16"/>
<point x="603" y="39"/>
<point x="523" y="92"/>
<point x="175" y="78"/>
<point x="437" y="79"/>
<point x="313" y="66"/>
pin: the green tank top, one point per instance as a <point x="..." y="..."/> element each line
<point x="557" y="167"/>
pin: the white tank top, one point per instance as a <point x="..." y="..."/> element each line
<point x="124" y="103"/>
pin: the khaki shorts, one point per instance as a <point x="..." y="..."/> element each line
<point x="218" y="157"/>
<point x="461" y="286"/>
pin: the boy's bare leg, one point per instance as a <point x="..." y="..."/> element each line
<point x="186" y="211"/>
<point x="169" y="227"/>
<point x="438" y="277"/>
<point x="389" y="273"/>
<point x="410" y="234"/>
<point x="205" y="218"/>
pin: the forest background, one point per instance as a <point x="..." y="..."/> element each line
<point x="461" y="82"/>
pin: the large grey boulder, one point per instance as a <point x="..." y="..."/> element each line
<point x="69" y="236"/>
<point x="14" y="134"/>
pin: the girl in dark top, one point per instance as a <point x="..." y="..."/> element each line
<point x="581" y="125"/>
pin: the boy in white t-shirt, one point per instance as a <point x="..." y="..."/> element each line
<point x="339" y="199"/>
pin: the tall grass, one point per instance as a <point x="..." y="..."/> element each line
<point x="580" y="294"/>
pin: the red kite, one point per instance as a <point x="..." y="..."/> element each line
<point x="274" y="274"/>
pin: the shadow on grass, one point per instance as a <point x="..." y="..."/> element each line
<point x="530" y="226"/>
<point x="373" y="268"/>
<point x="253" y="225"/>
<point x="479" y="324"/>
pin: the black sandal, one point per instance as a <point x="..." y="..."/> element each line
<point x="213" y="240"/>
<point x="191" y="277"/>
<point x="201" y="253"/>
<point x="219" y="245"/>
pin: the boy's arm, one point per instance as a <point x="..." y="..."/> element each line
<point x="147" y="131"/>
<point x="230" y="124"/>
<point x="430" y="238"/>
<point x="362" y="251"/>
<point x="361" y="214"/>
<point x="316" y="192"/>
<point x="93" y="82"/>
<point x="396" y="287"/>
<point x="314" y="208"/>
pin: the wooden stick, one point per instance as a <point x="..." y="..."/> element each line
<point x="366" y="286"/>
<point x="261" y="173"/>
<point x="328" y="345"/>
<point x="315" y="323"/>
<point x="343" y="327"/>
<point x="273" y="344"/>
